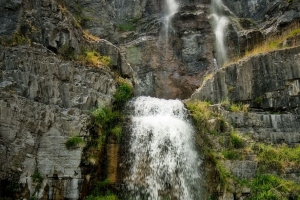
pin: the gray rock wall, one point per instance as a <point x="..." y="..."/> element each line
<point x="268" y="81"/>
<point x="44" y="101"/>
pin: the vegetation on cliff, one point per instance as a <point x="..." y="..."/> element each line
<point x="222" y="146"/>
<point x="106" y="127"/>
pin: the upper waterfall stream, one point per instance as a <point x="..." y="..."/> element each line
<point x="219" y="23"/>
<point x="162" y="157"/>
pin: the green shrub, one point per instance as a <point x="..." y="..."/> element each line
<point x="101" y="191"/>
<point x="15" y="39"/>
<point x="105" y="116"/>
<point x="278" y="158"/>
<point x="224" y="175"/>
<point x="106" y="197"/>
<point x="258" y="100"/>
<point x="123" y="94"/>
<point x="126" y="27"/>
<point x="236" y="141"/>
<point x="231" y="155"/>
<point x="94" y="58"/>
<point x="294" y="32"/>
<point x="12" y="187"/>
<point x="272" y="187"/>
<point x="117" y="132"/>
<point x="200" y="112"/>
<point x="67" y="52"/>
<point x="74" y="142"/>
<point x="234" y="107"/>
<point x="37" y="178"/>
<point x="230" y="88"/>
<point x="106" y="60"/>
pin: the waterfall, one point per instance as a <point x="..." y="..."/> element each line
<point x="219" y="23"/>
<point x="172" y="8"/>
<point x="162" y="158"/>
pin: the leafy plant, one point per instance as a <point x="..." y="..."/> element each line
<point x="16" y="39"/>
<point x="230" y="88"/>
<point x="106" y="197"/>
<point x="75" y="142"/>
<point x="67" y="52"/>
<point x="272" y="187"/>
<point x="123" y="94"/>
<point x="126" y="27"/>
<point x="105" y="116"/>
<point x="37" y="177"/>
<point x="89" y="36"/>
<point x="278" y="158"/>
<point x="236" y="141"/>
<point x="231" y="155"/>
<point x="258" y="100"/>
<point x="234" y="107"/>
<point x="117" y="132"/>
<point x="200" y="111"/>
<point x="93" y="58"/>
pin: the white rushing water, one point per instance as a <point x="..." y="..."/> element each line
<point x="164" y="163"/>
<point x="219" y="23"/>
<point x="172" y="8"/>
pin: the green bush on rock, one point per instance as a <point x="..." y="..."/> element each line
<point x="272" y="187"/>
<point x="123" y="94"/>
<point x="74" y="142"/>
<point x="106" y="197"/>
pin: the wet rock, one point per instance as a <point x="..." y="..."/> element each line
<point x="267" y="81"/>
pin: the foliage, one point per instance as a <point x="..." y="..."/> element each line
<point x="75" y="142"/>
<point x="106" y="197"/>
<point x="105" y="116"/>
<point x="258" y="100"/>
<point x="236" y="141"/>
<point x="234" y="107"/>
<point x="109" y="121"/>
<point x="89" y="36"/>
<point x="224" y="175"/>
<point x="16" y="39"/>
<point x="278" y="158"/>
<point x="200" y="112"/>
<point x="230" y="88"/>
<point x="123" y="94"/>
<point x="10" y="187"/>
<point x="117" y="132"/>
<point x="272" y="187"/>
<point x="231" y="155"/>
<point x="126" y="27"/>
<point x="37" y="177"/>
<point x="269" y="45"/>
<point x="93" y="58"/>
<point x="67" y="52"/>
<point x="101" y="191"/>
<point x="294" y="32"/>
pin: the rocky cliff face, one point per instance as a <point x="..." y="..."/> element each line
<point x="167" y="68"/>
<point x="268" y="81"/>
<point x="45" y="95"/>
<point x="263" y="75"/>
<point x="44" y="101"/>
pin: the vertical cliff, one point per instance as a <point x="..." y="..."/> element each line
<point x="60" y="59"/>
<point x="48" y="85"/>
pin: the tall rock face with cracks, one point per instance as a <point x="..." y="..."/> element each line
<point x="45" y="98"/>
<point x="167" y="68"/>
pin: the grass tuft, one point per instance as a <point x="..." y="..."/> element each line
<point x="75" y="142"/>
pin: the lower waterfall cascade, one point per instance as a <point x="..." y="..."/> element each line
<point x="162" y="157"/>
